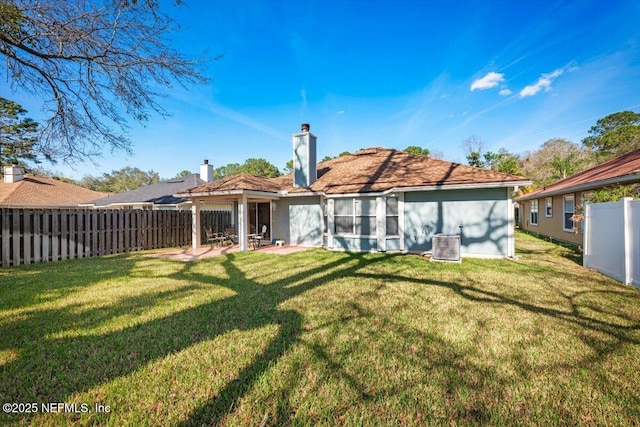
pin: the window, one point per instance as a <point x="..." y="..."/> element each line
<point x="325" y="218"/>
<point x="365" y="216"/>
<point x="355" y="216"/>
<point x="343" y="216"/>
<point x="534" y="212"/>
<point x="548" y="207"/>
<point x="392" y="216"/>
<point x="568" y="210"/>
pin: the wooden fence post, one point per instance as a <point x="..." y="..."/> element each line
<point x="46" y="236"/>
<point x="6" y="236"/>
<point x="37" y="236"/>
<point x="26" y="236"/>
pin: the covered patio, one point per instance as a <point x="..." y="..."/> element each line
<point x="251" y="199"/>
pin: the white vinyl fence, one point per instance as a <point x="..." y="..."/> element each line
<point x="612" y="239"/>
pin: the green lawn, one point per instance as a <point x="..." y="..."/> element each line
<point x="321" y="338"/>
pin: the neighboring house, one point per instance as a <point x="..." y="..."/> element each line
<point x="373" y="200"/>
<point x="548" y="211"/>
<point x="160" y="196"/>
<point x="20" y="190"/>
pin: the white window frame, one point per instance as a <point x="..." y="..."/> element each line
<point x="548" y="207"/>
<point x="325" y="216"/>
<point x="396" y="216"/>
<point x="356" y="214"/>
<point x="565" y="212"/>
<point x="534" y="209"/>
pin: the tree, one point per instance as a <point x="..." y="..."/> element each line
<point x="614" y="135"/>
<point x="327" y="158"/>
<point x="227" y="170"/>
<point x="418" y="151"/>
<point x="95" y="64"/>
<point x="18" y="135"/>
<point x="255" y="167"/>
<point x="260" y="167"/>
<point x="288" y="168"/>
<point x="502" y="161"/>
<point x="556" y="159"/>
<point x="120" y="180"/>
<point x="183" y="173"/>
<point x="473" y="147"/>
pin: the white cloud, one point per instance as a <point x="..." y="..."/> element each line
<point x="340" y="112"/>
<point x="505" y="92"/>
<point x="487" y="82"/>
<point x="544" y="82"/>
<point x="303" y="95"/>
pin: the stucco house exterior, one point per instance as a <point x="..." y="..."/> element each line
<point x="376" y="199"/>
<point x="23" y="190"/>
<point x="548" y="211"/>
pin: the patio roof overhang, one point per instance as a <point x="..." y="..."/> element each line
<point x="241" y="196"/>
<point x="234" y="194"/>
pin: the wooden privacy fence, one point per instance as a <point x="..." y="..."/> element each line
<point x="45" y="235"/>
<point x="215" y="220"/>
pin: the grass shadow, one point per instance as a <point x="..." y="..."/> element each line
<point x="56" y="360"/>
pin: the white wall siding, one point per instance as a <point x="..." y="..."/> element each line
<point x="612" y="239"/>
<point x="483" y="214"/>
<point x="298" y="221"/>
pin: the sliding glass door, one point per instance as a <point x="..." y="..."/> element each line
<point x="260" y="216"/>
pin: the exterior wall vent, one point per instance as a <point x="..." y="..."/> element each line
<point x="446" y="247"/>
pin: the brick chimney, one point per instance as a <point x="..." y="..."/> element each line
<point x="206" y="171"/>
<point x="304" y="157"/>
<point x="13" y="173"/>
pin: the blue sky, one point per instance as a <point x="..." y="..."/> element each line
<point x="393" y="74"/>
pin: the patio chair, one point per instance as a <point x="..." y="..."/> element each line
<point x="258" y="238"/>
<point x="212" y="237"/>
<point x="230" y="234"/>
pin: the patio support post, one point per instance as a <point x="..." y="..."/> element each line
<point x="243" y="221"/>
<point x="195" y="224"/>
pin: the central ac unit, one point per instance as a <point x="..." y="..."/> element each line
<point x="446" y="247"/>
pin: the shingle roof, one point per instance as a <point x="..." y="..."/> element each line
<point x="40" y="191"/>
<point x="241" y="181"/>
<point x="371" y="170"/>
<point x="162" y="193"/>
<point x="618" y="169"/>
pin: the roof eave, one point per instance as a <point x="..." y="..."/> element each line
<point x="268" y="194"/>
<point x="505" y="184"/>
<point x="635" y="176"/>
<point x="413" y="189"/>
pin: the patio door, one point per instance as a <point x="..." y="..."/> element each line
<point x="260" y="215"/>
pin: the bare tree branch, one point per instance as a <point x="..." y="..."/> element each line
<point x="95" y="65"/>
